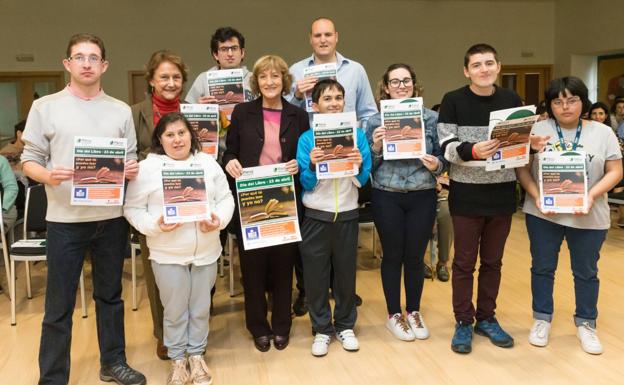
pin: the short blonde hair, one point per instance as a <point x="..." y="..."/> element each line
<point x="270" y="62"/>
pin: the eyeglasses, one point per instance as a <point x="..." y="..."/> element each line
<point x="93" y="59"/>
<point x="226" y="49"/>
<point x="569" y="102"/>
<point x="396" y="83"/>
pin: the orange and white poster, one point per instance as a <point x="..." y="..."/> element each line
<point x="512" y="127"/>
<point x="228" y="87"/>
<point x="204" y="119"/>
<point x="335" y="134"/>
<point x="268" y="206"/>
<point x="405" y="133"/>
<point x="563" y="182"/>
<point x="99" y="173"/>
<point x="184" y="193"/>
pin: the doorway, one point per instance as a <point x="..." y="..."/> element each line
<point x="529" y="81"/>
<point x="17" y="92"/>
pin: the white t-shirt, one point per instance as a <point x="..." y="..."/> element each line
<point x="600" y="144"/>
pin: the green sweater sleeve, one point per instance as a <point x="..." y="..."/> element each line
<point x="9" y="184"/>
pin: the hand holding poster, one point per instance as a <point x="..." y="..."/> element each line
<point x="320" y="72"/>
<point x="228" y="88"/>
<point x="204" y="119"/>
<point x="184" y="193"/>
<point x="335" y="134"/>
<point x="98" y="171"/>
<point x="512" y="127"/>
<point x="563" y="182"/>
<point x="405" y="137"/>
<point x="267" y="206"/>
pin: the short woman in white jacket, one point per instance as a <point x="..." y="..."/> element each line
<point x="184" y="256"/>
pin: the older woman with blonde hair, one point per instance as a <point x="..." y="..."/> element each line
<point x="265" y="131"/>
<point x="165" y="74"/>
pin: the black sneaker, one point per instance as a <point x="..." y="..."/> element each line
<point x="428" y="272"/>
<point x="442" y="273"/>
<point x="300" y="307"/>
<point x="122" y="374"/>
<point x="358" y="300"/>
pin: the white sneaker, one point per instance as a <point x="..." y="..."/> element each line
<point x="417" y="323"/>
<point x="179" y="374"/>
<point x="200" y="374"/>
<point x="538" y="336"/>
<point x="400" y="328"/>
<point x="589" y="339"/>
<point x="348" y="339"/>
<point x="320" y="346"/>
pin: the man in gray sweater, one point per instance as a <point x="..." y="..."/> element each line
<point x="81" y="109"/>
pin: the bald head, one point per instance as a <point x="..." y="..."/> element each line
<point x="323" y="39"/>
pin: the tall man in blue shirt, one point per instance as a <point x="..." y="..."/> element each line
<point x="351" y="74"/>
<point x="358" y="97"/>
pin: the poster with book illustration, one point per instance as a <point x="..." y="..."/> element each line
<point x="267" y="206"/>
<point x="184" y="193"/>
<point x="99" y="172"/>
<point x="563" y="181"/>
<point x="227" y="86"/>
<point x="320" y="72"/>
<point x="335" y="134"/>
<point x="512" y="127"/>
<point x="204" y="119"/>
<point x="405" y="134"/>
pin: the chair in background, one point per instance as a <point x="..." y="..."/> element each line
<point x="29" y="250"/>
<point x="365" y="217"/>
<point x="134" y="247"/>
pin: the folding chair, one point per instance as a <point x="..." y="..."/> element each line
<point x="28" y="250"/>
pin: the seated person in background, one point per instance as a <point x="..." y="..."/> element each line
<point x="9" y="193"/>
<point x="13" y="150"/>
<point x="445" y="231"/>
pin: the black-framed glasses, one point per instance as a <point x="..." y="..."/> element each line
<point x="226" y="49"/>
<point x="93" y="59"/>
<point x="396" y="83"/>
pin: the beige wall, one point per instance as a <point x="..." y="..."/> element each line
<point x="431" y="35"/>
<point x="579" y="38"/>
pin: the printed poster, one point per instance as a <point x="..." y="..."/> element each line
<point x="563" y="181"/>
<point x="228" y="87"/>
<point x="184" y="193"/>
<point x="204" y="119"/>
<point x="268" y="206"/>
<point x="512" y="127"/>
<point x="99" y="172"/>
<point x="405" y="133"/>
<point x="320" y="72"/>
<point x="336" y="135"/>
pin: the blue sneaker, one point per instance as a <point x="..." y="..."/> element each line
<point x="462" y="339"/>
<point x="491" y="329"/>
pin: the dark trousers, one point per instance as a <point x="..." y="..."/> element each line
<point x="404" y="222"/>
<point x="546" y="238"/>
<point x="325" y="244"/>
<point x="485" y="236"/>
<point x="67" y="244"/>
<point x="156" y="307"/>
<point x="268" y="267"/>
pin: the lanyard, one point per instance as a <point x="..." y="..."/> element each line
<point x="577" y="137"/>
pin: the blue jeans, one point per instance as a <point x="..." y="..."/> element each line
<point x="546" y="238"/>
<point x="67" y="244"/>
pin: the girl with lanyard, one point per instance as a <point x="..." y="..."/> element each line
<point x="584" y="232"/>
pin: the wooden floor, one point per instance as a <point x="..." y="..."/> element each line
<point x="382" y="359"/>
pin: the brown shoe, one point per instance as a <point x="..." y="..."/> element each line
<point x="161" y="351"/>
<point x="281" y="342"/>
<point x="263" y="343"/>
